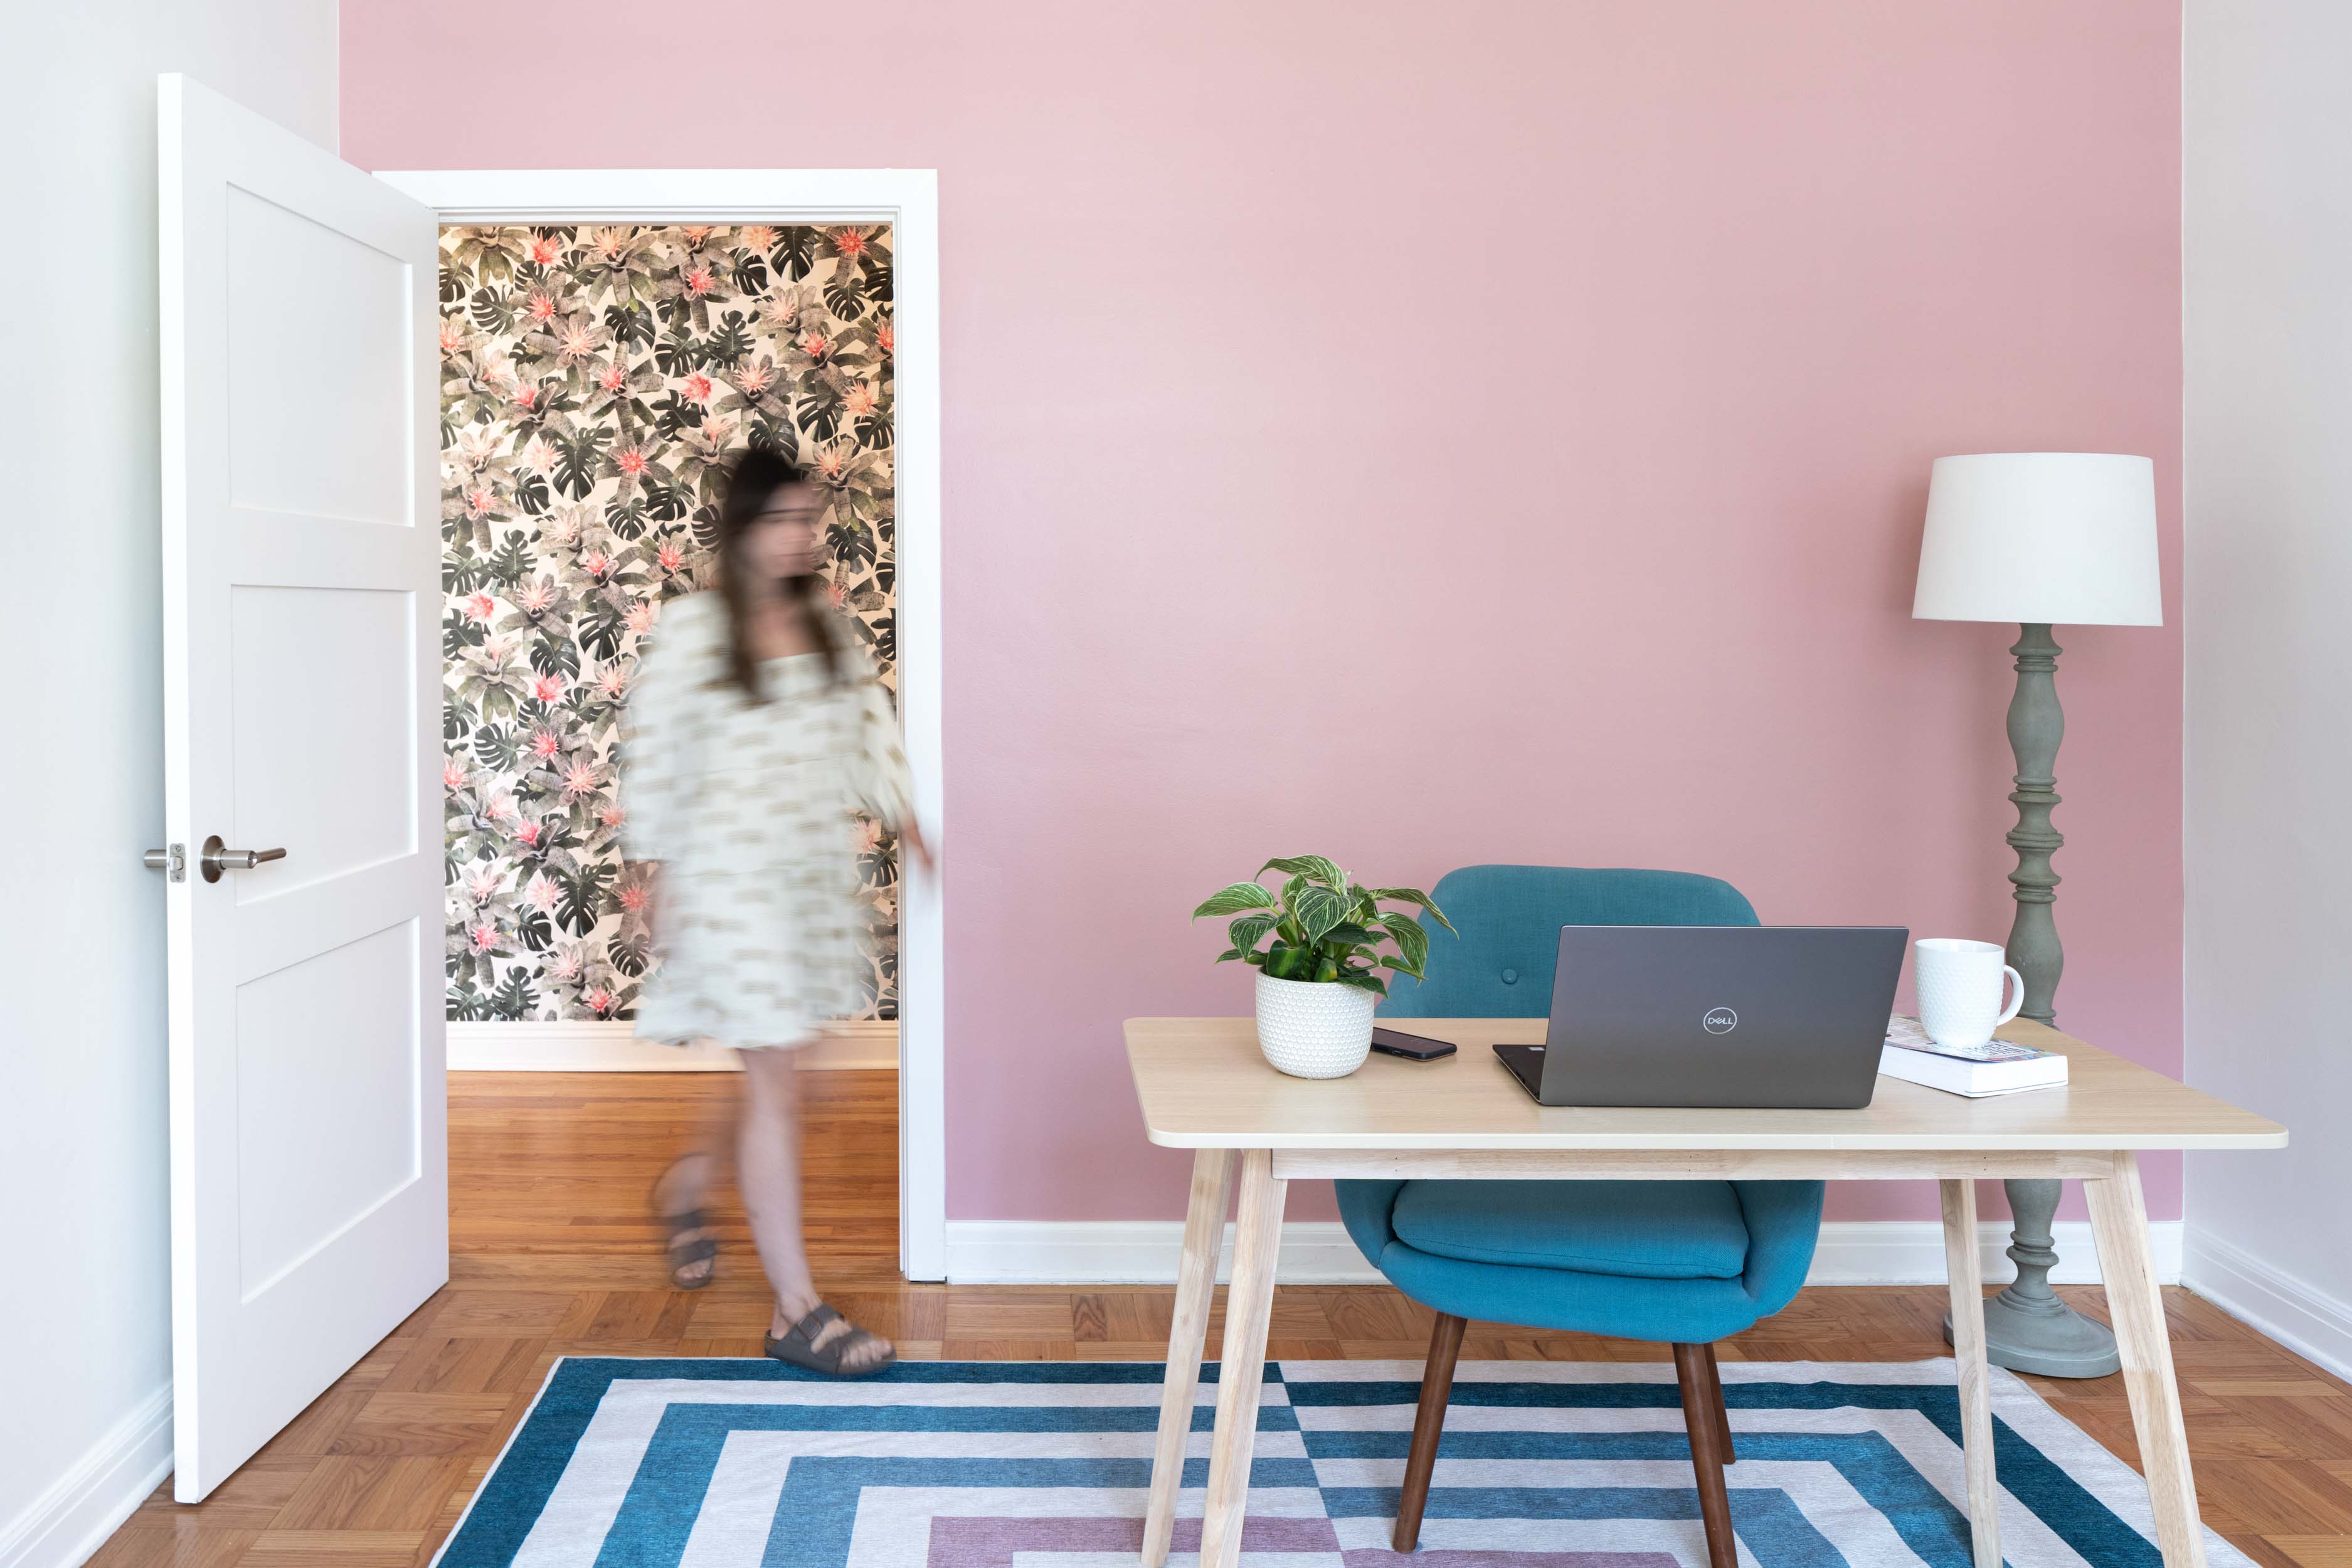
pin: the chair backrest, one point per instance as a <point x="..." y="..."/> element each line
<point x="1509" y="917"/>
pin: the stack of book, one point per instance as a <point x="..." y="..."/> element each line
<point x="1997" y="1066"/>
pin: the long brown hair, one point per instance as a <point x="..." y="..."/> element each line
<point x="759" y="474"/>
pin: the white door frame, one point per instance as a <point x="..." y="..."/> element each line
<point x="907" y="200"/>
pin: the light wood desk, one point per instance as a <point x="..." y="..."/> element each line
<point x="1203" y="1086"/>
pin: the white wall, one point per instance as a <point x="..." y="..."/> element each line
<point x="2267" y="216"/>
<point x="84" y="1257"/>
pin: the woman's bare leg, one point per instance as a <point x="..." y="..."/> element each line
<point x="768" y="1169"/>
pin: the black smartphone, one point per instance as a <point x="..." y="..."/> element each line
<point x="1412" y="1047"/>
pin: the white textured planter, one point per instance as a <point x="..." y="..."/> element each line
<point x="1314" y="1030"/>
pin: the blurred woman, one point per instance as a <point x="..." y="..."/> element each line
<point x="759" y="727"/>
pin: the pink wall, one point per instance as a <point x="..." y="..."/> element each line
<point x="1432" y="435"/>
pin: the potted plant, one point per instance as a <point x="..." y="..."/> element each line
<point x="1318" y="978"/>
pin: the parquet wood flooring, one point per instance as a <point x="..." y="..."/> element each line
<point x="552" y="1252"/>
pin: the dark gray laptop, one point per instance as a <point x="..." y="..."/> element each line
<point x="1752" y="1016"/>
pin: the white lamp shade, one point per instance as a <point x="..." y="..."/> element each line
<point x="2062" y="538"/>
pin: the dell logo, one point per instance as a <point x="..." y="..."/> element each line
<point x="1721" y="1021"/>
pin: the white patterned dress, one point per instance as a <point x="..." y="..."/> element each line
<point x="749" y="808"/>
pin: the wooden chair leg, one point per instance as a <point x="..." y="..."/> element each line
<point x="1700" y="1419"/>
<point x="1722" y="1411"/>
<point x="1428" y="1425"/>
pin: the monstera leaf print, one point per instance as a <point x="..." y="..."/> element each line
<point x="596" y="383"/>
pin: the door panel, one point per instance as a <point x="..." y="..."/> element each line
<point x="302" y="566"/>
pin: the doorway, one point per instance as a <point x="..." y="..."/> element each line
<point x="609" y="342"/>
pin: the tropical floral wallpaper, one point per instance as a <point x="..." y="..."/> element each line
<point x="595" y="384"/>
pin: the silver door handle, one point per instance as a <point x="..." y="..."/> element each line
<point x="217" y="858"/>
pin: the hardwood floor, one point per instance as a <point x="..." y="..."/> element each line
<point x="552" y="1253"/>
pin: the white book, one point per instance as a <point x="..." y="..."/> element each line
<point x="1998" y="1066"/>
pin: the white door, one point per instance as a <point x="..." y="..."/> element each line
<point x="301" y="598"/>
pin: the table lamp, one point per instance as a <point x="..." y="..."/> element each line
<point x="2039" y="538"/>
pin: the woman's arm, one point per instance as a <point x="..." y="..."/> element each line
<point x="659" y="779"/>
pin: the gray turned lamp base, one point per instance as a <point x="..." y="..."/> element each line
<point x="2027" y="1327"/>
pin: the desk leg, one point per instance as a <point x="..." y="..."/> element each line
<point x="1249" y="1310"/>
<point x="2119" y="1221"/>
<point x="1967" y="1280"/>
<point x="1196" y="1284"/>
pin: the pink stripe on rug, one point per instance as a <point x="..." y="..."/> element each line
<point x="990" y="1543"/>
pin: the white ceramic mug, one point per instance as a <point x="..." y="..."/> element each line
<point x="1959" y="985"/>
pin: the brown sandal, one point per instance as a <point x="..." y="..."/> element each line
<point x="797" y="1346"/>
<point x="689" y="1241"/>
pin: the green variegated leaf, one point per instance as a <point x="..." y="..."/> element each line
<point x="1411" y="941"/>
<point x="1363" y="980"/>
<point x="1318" y="910"/>
<point x="1323" y="871"/>
<point x="1235" y="898"/>
<point x="1413" y="896"/>
<point x="1248" y="930"/>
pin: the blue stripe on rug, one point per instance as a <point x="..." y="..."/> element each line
<point x="818" y="1505"/>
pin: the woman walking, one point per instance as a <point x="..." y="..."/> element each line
<point x="759" y="726"/>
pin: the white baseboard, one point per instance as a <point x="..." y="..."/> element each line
<point x="67" y="1524"/>
<point x="1318" y="1252"/>
<point x="2306" y="1321"/>
<point x="612" y="1046"/>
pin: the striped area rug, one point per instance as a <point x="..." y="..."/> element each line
<point x="749" y="1464"/>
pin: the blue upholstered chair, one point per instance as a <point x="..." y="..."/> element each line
<point x="1686" y="1262"/>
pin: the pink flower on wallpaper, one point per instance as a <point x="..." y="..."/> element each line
<point x="576" y="343"/>
<point x="699" y="279"/>
<point x="540" y="307"/>
<point x="714" y="434"/>
<point x="544" y="741"/>
<point x="869" y="835"/>
<point x="538" y="454"/>
<point x="641" y="615"/>
<point x="579" y="780"/>
<point x="860" y="400"/>
<point x="612" y="681"/>
<point x="527" y="833"/>
<point x="540" y="893"/>
<point x="482" y="884"/>
<point x="631" y="460"/>
<point x="484" y="936"/>
<point x="498" y="649"/>
<point x="612" y="817"/>
<point x="453" y="336"/>
<point x="501" y="808"/>
<point x="697" y="387"/>
<point x="595" y="563"/>
<point x="839" y="593"/>
<point x="635" y="896"/>
<point x="813" y="344"/>
<point x="611" y="244"/>
<point x="526" y="397"/>
<point x="849" y="242"/>
<point x="453" y="776"/>
<point x="598" y="998"/>
<point x="544" y="250"/>
<point x="695" y="233"/>
<point x="567" y="965"/>
<point x="480" y="500"/>
<point x="546" y="688"/>
<point x="615" y="376"/>
<point x="833" y="462"/>
<point x="479" y="608"/>
<point x="669" y="558"/>
<point x="755" y="379"/>
<point x="886" y="336"/>
<point x="758" y="236"/>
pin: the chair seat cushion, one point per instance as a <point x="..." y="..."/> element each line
<point x="1644" y="1230"/>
